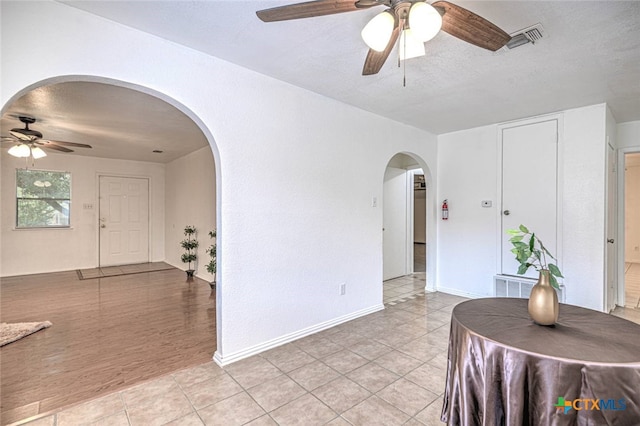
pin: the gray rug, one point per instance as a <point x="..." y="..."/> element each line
<point x="10" y="332"/>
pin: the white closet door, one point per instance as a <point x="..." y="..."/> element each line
<point x="529" y="186"/>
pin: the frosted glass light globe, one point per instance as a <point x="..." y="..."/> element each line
<point x="424" y="21"/>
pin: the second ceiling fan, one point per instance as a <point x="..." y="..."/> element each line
<point x="414" y="22"/>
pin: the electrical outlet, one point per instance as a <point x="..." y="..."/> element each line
<point x="87" y="206"/>
<point x="343" y="289"/>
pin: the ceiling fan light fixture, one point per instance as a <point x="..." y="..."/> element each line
<point x="377" y="33"/>
<point x="38" y="152"/>
<point x="410" y="46"/>
<point x="424" y="21"/>
<point x="20" y="151"/>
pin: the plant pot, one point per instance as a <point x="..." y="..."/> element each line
<point x="543" y="301"/>
<point x="212" y="284"/>
<point x="190" y="273"/>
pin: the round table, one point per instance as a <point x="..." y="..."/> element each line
<point x="505" y="370"/>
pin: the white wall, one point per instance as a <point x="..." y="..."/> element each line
<point x="467" y="164"/>
<point x="32" y="251"/>
<point x="628" y="135"/>
<point x="295" y="171"/>
<point x="190" y="200"/>
<point x="468" y="241"/>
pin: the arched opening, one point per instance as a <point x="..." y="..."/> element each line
<point x="124" y="124"/>
<point x="408" y="259"/>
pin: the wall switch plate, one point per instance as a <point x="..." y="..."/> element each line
<point x="486" y="203"/>
<point x="87" y="206"/>
<point x="343" y="289"/>
<point x="374" y="202"/>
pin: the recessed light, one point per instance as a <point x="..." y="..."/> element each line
<point x="158" y="151"/>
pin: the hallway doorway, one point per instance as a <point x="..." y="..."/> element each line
<point x="632" y="230"/>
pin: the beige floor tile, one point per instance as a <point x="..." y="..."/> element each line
<point x="91" y="411"/>
<point x="429" y="377"/>
<point x="430" y="416"/>
<point x="211" y="391"/>
<point x="346" y="339"/>
<point x="197" y="374"/>
<point x="148" y="390"/>
<point x="338" y="421"/>
<point x="288" y="357"/>
<point x="341" y="394"/>
<point x="421" y="349"/>
<point x="398" y="362"/>
<point x="313" y="375"/>
<point x="160" y="408"/>
<point x="320" y="348"/>
<point x="191" y="419"/>
<point x="118" y="419"/>
<point x="373" y="377"/>
<point x="304" y="411"/>
<point x="344" y="361"/>
<point x="262" y="421"/>
<point x="252" y="371"/>
<point x="407" y="396"/>
<point x="375" y="412"/>
<point x="370" y="349"/>
<point x="276" y="392"/>
<point x="236" y="410"/>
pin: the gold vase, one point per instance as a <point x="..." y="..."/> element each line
<point x="543" y="301"/>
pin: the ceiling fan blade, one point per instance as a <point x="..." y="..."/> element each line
<point x="48" y="142"/>
<point x="57" y="148"/>
<point x="469" y="27"/>
<point x="375" y="60"/>
<point x="313" y="8"/>
<point x="21" y="136"/>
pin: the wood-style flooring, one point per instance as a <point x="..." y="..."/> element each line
<point x="107" y="334"/>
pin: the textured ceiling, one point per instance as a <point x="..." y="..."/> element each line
<point x="590" y="53"/>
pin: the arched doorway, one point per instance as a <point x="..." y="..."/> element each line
<point x="407" y="210"/>
<point x="75" y="109"/>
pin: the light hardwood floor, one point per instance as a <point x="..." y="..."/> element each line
<point x="107" y="334"/>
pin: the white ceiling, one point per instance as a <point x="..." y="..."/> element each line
<point x="590" y="54"/>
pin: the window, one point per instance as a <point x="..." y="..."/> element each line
<point x="43" y="199"/>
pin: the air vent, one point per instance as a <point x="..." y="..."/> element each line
<point x="528" y="35"/>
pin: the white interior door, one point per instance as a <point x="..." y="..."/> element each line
<point x="529" y="186"/>
<point x="394" y="219"/>
<point x="611" y="229"/>
<point x="124" y="220"/>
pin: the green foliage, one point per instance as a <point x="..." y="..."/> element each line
<point x="189" y="244"/>
<point x="212" y="251"/>
<point x="530" y="251"/>
<point x="43" y="198"/>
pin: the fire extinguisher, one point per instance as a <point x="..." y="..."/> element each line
<point x="445" y="210"/>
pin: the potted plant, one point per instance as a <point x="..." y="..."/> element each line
<point x="530" y="251"/>
<point x="212" y="266"/>
<point x="189" y="244"/>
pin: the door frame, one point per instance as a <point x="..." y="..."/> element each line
<point x="150" y="212"/>
<point x="559" y="117"/>
<point x="620" y="237"/>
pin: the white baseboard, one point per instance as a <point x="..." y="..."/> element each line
<point x="457" y="292"/>
<point x="279" y="341"/>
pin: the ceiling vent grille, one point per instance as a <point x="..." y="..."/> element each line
<point x="528" y="35"/>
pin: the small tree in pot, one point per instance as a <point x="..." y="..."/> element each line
<point x="190" y="245"/>
<point x="212" y="266"/>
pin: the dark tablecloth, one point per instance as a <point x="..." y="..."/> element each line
<point x="505" y="370"/>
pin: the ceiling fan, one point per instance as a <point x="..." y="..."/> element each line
<point x="29" y="143"/>
<point x="414" y="22"/>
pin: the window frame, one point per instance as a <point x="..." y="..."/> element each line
<point x="18" y="199"/>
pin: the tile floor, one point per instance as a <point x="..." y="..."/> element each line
<point x="632" y="285"/>
<point x="387" y="368"/>
<point x="400" y="289"/>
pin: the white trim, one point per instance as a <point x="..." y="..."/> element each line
<point x="620" y="246"/>
<point x="457" y="292"/>
<point x="270" y="344"/>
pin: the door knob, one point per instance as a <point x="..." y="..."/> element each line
<point x="506" y="212"/>
<point x="610" y="240"/>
